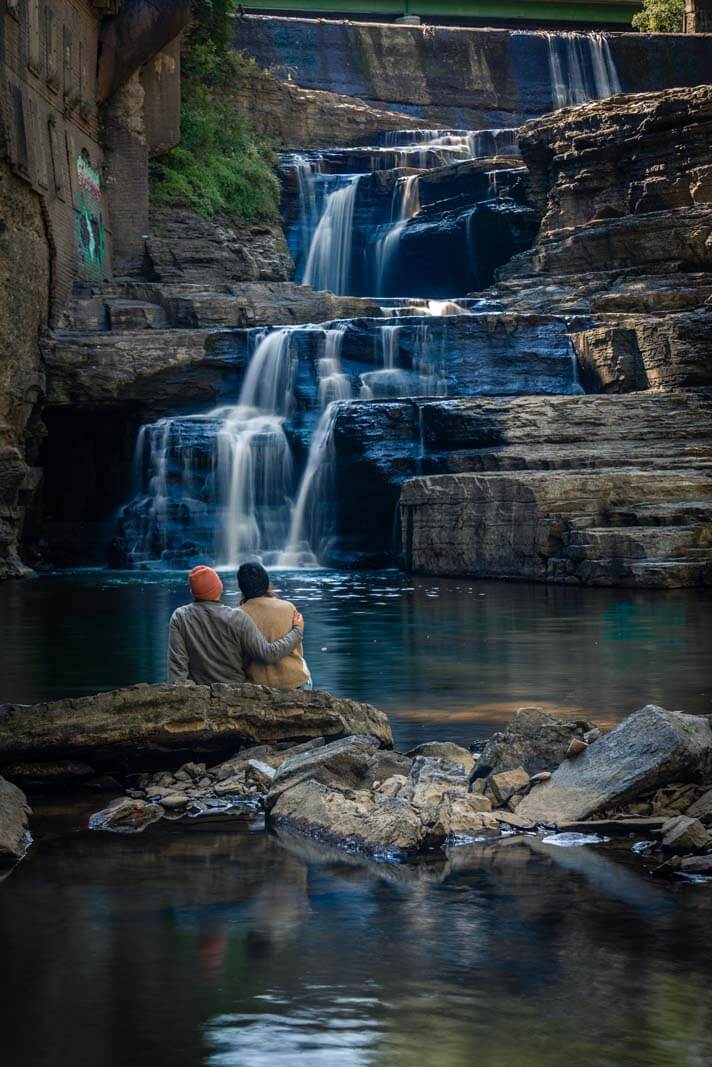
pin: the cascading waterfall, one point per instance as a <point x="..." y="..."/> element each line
<point x="309" y="524"/>
<point x="232" y="467"/>
<point x="226" y="484"/>
<point x="581" y="68"/>
<point x="328" y="263"/>
<point x="406" y="204"/>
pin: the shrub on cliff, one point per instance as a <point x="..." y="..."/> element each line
<point x="220" y="166"/>
<point x="660" y="16"/>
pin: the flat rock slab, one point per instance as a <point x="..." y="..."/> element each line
<point x="14" y="812"/>
<point x="649" y="748"/>
<point x="144" y="723"/>
<point x="342" y="764"/>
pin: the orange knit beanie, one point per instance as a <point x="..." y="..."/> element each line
<point x="205" y="583"/>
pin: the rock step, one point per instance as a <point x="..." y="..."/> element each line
<point x="683" y="514"/>
<point x="640" y="542"/>
<point x="619" y="571"/>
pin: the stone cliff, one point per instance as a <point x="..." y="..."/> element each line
<point x="452" y="76"/>
<point x="623" y="190"/>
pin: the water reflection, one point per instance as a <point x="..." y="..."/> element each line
<point x="460" y="653"/>
<point x="238" y="947"/>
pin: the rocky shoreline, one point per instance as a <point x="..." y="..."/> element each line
<point x="325" y="769"/>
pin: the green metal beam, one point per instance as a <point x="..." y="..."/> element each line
<point x="618" y="11"/>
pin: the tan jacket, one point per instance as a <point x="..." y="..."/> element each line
<point x="274" y="619"/>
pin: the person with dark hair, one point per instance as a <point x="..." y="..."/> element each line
<point x="273" y="618"/>
<point x="210" y="642"/>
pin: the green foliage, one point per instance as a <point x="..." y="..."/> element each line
<point x="220" y="166"/>
<point x="660" y="16"/>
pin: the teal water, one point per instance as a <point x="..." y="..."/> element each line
<point x="228" y="946"/>
<point x="446" y="658"/>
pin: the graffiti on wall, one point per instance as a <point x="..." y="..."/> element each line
<point x="91" y="235"/>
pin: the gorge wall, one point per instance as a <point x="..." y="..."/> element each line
<point x="450" y="76"/>
<point x="582" y="267"/>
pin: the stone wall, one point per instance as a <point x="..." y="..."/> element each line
<point x="24" y="307"/>
<point x="56" y="164"/>
<point x="453" y="76"/>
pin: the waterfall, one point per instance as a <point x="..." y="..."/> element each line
<point x="310" y="524"/>
<point x="484" y="144"/>
<point x="405" y="204"/>
<point x="225" y="477"/>
<point x="333" y="383"/>
<point x="328" y="263"/>
<point x="581" y="68"/>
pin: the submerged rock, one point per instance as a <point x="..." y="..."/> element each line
<point x="649" y="748"/>
<point x="126" y="816"/>
<point x="130" y="727"/>
<point x="14" y="820"/>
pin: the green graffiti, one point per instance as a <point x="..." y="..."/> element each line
<point x="90" y="231"/>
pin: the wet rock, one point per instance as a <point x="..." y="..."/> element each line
<point x="649" y="748"/>
<point x="696" y="865"/>
<point x="352" y="820"/>
<point x="684" y="834"/>
<point x="127" y="727"/>
<point x="174" y="801"/>
<point x="430" y="778"/>
<point x="260" y="773"/>
<point x="58" y="772"/>
<point x="126" y="816"/>
<point x="447" y="750"/>
<point x="466" y="816"/>
<point x="343" y="763"/>
<point x="385" y="764"/>
<point x="504" y="785"/>
<point x="702" y="808"/>
<point x="512" y="820"/>
<point x="392" y="786"/>
<point x="533" y="740"/>
<point x="14" y="820"/>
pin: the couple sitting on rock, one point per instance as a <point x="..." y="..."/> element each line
<point x="259" y="642"/>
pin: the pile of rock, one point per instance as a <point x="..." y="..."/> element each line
<point x="235" y="786"/>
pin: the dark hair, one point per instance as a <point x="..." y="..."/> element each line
<point x="253" y="580"/>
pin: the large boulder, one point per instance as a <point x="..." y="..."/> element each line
<point x="649" y="748"/>
<point x="342" y="764"/>
<point x="533" y="740"/>
<point x="14" y="812"/>
<point x="354" y="820"/>
<point x="147" y="724"/>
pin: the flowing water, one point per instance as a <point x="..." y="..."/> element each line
<point x="226" y="945"/>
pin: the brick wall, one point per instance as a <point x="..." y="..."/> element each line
<point x="51" y="130"/>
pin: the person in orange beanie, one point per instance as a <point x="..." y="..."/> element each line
<point x="210" y="642"/>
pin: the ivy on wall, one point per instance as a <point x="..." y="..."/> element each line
<point x="220" y="166"/>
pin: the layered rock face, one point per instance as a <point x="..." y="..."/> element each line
<point x="453" y="76"/>
<point x="623" y="188"/>
<point x="153" y="723"/>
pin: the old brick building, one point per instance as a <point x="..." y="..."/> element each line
<point x="88" y="89"/>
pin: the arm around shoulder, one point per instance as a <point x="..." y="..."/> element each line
<point x="254" y="646"/>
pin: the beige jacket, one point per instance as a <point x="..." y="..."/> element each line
<point x="274" y="619"/>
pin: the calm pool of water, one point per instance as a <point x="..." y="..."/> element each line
<point x="232" y="947"/>
<point x="444" y="658"/>
<point x="239" y="948"/>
